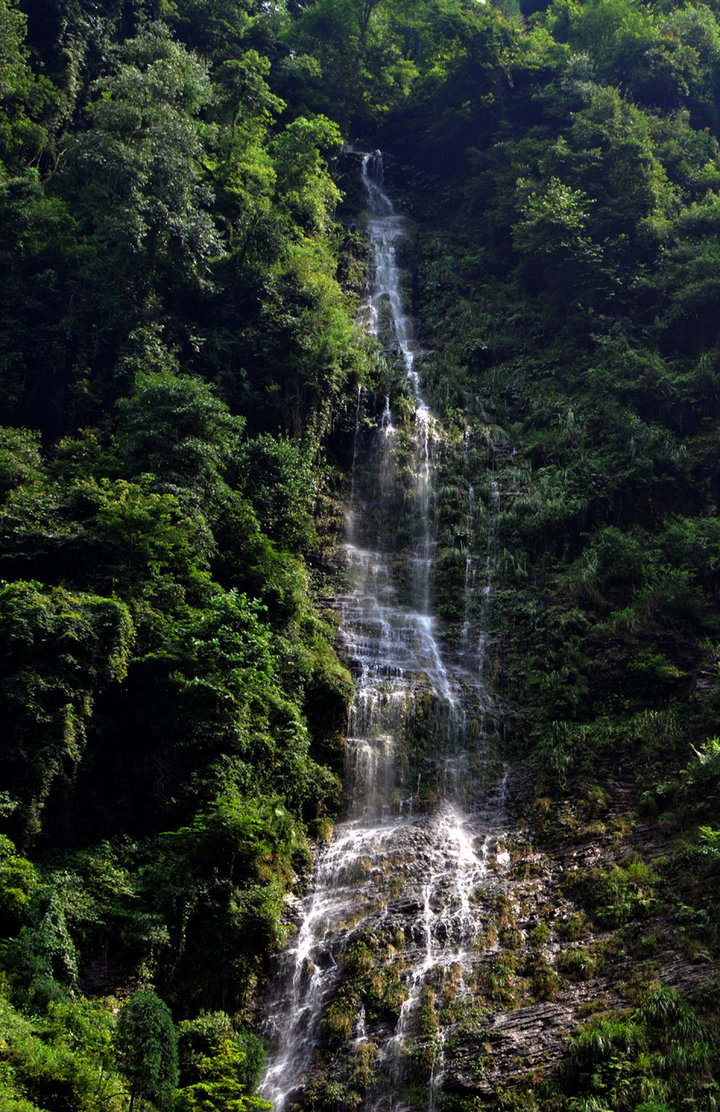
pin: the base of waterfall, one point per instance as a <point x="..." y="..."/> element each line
<point x="396" y="907"/>
<point x="466" y="959"/>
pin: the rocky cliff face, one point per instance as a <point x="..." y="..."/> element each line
<point x="466" y="965"/>
<point x="473" y="914"/>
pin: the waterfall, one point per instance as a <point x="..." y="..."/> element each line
<point x="382" y="964"/>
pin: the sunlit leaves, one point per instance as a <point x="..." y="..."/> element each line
<point x="554" y="217"/>
<point x="111" y="534"/>
<point x="142" y="186"/>
<point x="66" y="1055"/>
<point x="304" y="187"/>
<point x="18" y="878"/>
<point x="24" y="98"/>
<point x="220" y="1088"/>
<point x="19" y="458"/>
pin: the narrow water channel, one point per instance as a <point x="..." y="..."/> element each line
<point x="381" y="968"/>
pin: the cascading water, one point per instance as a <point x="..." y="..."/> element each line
<point x="390" y="928"/>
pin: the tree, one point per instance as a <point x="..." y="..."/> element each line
<point x="20" y="460"/>
<point x="42" y="959"/>
<point x="136" y="185"/>
<point x="143" y="193"/>
<point x="220" y="1066"/>
<point x="337" y="34"/>
<point x="59" y="649"/>
<point x="243" y="173"/>
<point x="23" y="96"/>
<point x="18" y="878"/>
<point x="304" y="187"/>
<point x="40" y="264"/>
<point x="147" y="1044"/>
<point x="279" y="482"/>
<point x="552" y="239"/>
<point x="104" y="535"/>
<point x="175" y="428"/>
<point x="219" y="884"/>
<point x="221" y="1088"/>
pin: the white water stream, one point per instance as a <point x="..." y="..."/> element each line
<point x="403" y="873"/>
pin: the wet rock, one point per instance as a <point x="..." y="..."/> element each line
<point x="433" y="930"/>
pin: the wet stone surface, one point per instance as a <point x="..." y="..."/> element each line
<point x="400" y="895"/>
<point x="442" y="949"/>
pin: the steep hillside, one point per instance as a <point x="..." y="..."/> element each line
<point x="184" y="383"/>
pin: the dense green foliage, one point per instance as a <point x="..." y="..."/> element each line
<point x="179" y="371"/>
<point x="174" y="348"/>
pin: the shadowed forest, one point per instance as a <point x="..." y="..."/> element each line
<point x="183" y="380"/>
